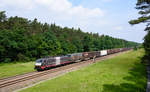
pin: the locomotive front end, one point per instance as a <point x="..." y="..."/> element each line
<point x="38" y="64"/>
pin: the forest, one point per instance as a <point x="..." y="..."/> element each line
<point x="22" y="40"/>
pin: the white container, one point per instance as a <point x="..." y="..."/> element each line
<point x="103" y="52"/>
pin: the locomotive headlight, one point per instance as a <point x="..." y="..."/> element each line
<point x="37" y="64"/>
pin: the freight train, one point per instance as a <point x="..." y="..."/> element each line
<point x="48" y="62"/>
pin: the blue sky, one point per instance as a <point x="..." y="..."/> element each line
<point x="109" y="17"/>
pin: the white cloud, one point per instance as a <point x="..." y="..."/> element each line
<point x="60" y="11"/>
<point x="118" y="28"/>
<point x="63" y="13"/>
<point x="61" y="6"/>
<point x="22" y="4"/>
<point x="107" y="0"/>
<point x="65" y="8"/>
<point x="56" y="5"/>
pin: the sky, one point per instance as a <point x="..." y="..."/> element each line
<point x="108" y="17"/>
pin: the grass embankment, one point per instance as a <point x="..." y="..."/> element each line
<point x="123" y="73"/>
<point x="12" y="69"/>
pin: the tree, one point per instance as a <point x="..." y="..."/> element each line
<point x="2" y="16"/>
<point x="3" y="19"/>
<point x="87" y="43"/>
<point x="144" y="10"/>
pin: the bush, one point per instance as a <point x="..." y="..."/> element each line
<point x="21" y="57"/>
<point x="33" y="59"/>
<point x="6" y="60"/>
<point x="135" y="48"/>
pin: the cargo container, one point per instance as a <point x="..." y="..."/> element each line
<point x="103" y="52"/>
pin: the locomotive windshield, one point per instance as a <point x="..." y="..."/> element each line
<point x="68" y="55"/>
<point x="39" y="61"/>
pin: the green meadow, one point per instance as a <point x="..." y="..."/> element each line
<point x="12" y="69"/>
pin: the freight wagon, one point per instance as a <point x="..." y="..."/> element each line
<point x="76" y="57"/>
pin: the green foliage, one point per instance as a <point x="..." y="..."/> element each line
<point x="144" y="11"/>
<point x="147" y="46"/>
<point x="87" y="45"/>
<point x="22" y="57"/>
<point x="135" y="48"/>
<point x="7" y="60"/>
<point x="24" y="40"/>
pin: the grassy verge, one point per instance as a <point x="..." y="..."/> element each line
<point x="12" y="69"/>
<point x="123" y="73"/>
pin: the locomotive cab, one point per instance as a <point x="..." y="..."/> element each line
<point x="38" y="64"/>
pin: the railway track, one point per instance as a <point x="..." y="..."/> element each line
<point x="17" y="79"/>
<point x="16" y="76"/>
<point x="32" y="75"/>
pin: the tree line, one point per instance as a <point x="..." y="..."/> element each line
<point x="24" y="40"/>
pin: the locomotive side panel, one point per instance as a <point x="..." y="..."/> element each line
<point x="65" y="60"/>
<point x="57" y="61"/>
